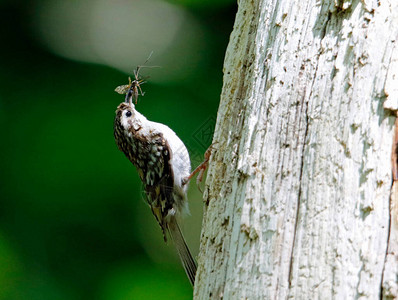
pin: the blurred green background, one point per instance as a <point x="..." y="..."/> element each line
<point x="73" y="221"/>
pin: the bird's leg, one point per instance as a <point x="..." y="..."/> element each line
<point x="200" y="169"/>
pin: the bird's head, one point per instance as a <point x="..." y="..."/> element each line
<point x="126" y="112"/>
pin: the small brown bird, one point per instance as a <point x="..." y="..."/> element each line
<point x="163" y="163"/>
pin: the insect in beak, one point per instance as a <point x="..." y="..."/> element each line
<point x="134" y="86"/>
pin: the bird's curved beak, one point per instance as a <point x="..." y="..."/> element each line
<point x="129" y="97"/>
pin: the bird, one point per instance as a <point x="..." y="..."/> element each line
<point x="163" y="164"/>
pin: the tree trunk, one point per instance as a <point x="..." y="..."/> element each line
<point x="297" y="203"/>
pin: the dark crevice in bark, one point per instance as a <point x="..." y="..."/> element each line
<point x="323" y="34"/>
<point x="299" y="193"/>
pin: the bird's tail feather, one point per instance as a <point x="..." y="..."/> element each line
<point x="182" y="249"/>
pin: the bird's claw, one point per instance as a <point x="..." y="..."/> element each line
<point x="200" y="169"/>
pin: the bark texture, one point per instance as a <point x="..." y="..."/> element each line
<point x="298" y="191"/>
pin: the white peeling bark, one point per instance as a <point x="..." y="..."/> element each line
<point x="298" y="197"/>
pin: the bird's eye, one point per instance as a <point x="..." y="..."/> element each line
<point x="128" y="114"/>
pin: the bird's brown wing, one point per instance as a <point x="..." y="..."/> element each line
<point x="158" y="180"/>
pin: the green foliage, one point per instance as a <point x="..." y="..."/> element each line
<point x="73" y="223"/>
